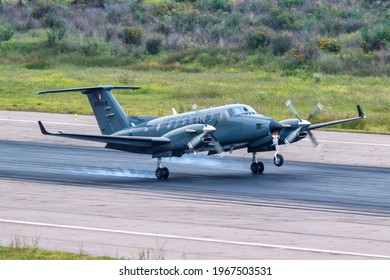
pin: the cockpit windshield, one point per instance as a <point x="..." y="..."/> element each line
<point x="242" y="110"/>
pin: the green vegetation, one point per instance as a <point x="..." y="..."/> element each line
<point x="7" y="253"/>
<point x="210" y="52"/>
<point x="343" y="37"/>
<point x="20" y="249"/>
<point x="162" y="90"/>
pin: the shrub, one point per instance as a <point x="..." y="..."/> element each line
<point x="91" y="3"/>
<point x="330" y="64"/>
<point x="328" y="44"/>
<point x="5" y="34"/>
<point x="114" y="16"/>
<point x="215" y="5"/>
<point x="281" y="19"/>
<point x="110" y="32"/>
<point x="53" y="21"/>
<point x="281" y="43"/>
<point x="41" y="10"/>
<point x="317" y="77"/>
<point x="298" y="55"/>
<point x="375" y="40"/>
<point x="55" y="34"/>
<point x="260" y="39"/>
<point x="290" y="3"/>
<point x="131" y="35"/>
<point x="90" y="49"/>
<point x="153" y="45"/>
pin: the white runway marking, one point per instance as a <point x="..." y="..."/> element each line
<point x="352" y="143"/>
<point x="61" y="123"/>
<point x="197" y="239"/>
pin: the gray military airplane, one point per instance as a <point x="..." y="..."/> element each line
<point x="215" y="130"/>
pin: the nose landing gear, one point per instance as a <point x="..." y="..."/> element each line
<point x="278" y="158"/>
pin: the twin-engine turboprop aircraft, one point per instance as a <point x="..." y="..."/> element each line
<point x="215" y="130"/>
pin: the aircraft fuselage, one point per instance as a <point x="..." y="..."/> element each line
<point x="237" y="126"/>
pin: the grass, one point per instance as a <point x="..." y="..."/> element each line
<point x="161" y="90"/>
<point x="7" y="253"/>
<point x="21" y="249"/>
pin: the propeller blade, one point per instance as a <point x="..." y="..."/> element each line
<point x="314" y="141"/>
<point x="194" y="142"/>
<point x="292" y="136"/>
<point x="292" y="109"/>
<point x="218" y="146"/>
<point x="194" y="107"/>
<point x="316" y="110"/>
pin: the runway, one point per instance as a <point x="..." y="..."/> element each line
<point x="74" y="197"/>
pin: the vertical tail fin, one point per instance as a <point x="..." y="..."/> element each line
<point x="108" y="113"/>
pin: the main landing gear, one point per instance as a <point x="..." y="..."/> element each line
<point x="161" y="172"/>
<point x="256" y="166"/>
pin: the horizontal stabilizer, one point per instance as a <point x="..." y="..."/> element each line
<point x="87" y="90"/>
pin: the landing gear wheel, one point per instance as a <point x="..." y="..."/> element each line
<point x="257" y="167"/>
<point x="162" y="173"/>
<point x="159" y="173"/>
<point x="254" y="167"/>
<point x="165" y="172"/>
<point x="260" y="167"/>
<point x="278" y="160"/>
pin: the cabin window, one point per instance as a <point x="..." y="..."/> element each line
<point x="245" y="110"/>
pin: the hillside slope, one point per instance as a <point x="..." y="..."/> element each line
<point x="337" y="36"/>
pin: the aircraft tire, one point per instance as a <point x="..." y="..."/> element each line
<point x="162" y="173"/>
<point x="254" y="167"/>
<point x="257" y="167"/>
<point x="278" y="160"/>
<point x="159" y="173"/>
<point x="260" y="167"/>
<point x="165" y="172"/>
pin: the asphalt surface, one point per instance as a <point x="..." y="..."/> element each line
<point x="75" y="197"/>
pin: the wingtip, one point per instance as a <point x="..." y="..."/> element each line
<point x="360" y="112"/>
<point x="43" y="129"/>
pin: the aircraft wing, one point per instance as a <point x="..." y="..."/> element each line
<point x="134" y="141"/>
<point x="361" y="115"/>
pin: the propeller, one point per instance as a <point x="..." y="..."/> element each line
<point x="208" y="131"/>
<point x="303" y="125"/>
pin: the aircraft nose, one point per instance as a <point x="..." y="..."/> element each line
<point x="275" y="126"/>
